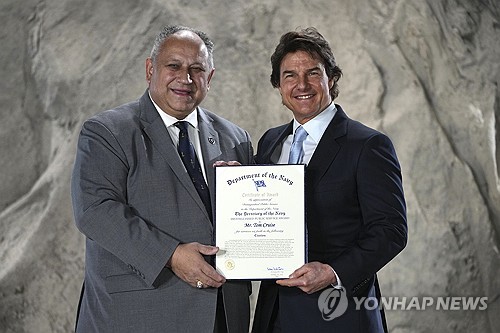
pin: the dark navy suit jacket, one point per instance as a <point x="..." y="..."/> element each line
<point x="356" y="222"/>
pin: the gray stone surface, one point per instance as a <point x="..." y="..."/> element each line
<point x="424" y="72"/>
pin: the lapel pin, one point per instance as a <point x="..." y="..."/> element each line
<point x="211" y="140"/>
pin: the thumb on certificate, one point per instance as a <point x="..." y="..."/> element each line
<point x="207" y="249"/>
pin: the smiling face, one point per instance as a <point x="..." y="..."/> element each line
<point x="304" y="85"/>
<point x="180" y="76"/>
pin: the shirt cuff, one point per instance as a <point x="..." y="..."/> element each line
<point x="338" y="283"/>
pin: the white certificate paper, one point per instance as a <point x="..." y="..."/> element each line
<point x="260" y="221"/>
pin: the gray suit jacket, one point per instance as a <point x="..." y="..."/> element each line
<point x="134" y="201"/>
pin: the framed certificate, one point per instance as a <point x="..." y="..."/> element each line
<point x="260" y="221"/>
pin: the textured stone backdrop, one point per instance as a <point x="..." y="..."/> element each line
<point x="424" y="72"/>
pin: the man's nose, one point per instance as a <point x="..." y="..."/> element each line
<point x="184" y="77"/>
<point x="303" y="82"/>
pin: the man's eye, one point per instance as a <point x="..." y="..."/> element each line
<point x="173" y="66"/>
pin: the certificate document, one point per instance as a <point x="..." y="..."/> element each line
<point x="260" y="221"/>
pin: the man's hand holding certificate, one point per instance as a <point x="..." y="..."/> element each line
<point x="260" y="216"/>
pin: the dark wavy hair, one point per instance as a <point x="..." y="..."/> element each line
<point x="312" y="42"/>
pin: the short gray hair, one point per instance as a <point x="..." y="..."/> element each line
<point x="172" y="29"/>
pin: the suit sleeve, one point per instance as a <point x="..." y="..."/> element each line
<point x="99" y="196"/>
<point x="383" y="233"/>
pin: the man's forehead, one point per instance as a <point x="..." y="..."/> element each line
<point x="302" y="57"/>
<point x="303" y="54"/>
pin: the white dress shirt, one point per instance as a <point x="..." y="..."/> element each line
<point x="315" y="129"/>
<point x="193" y="131"/>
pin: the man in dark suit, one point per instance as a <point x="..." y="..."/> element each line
<point x="140" y="197"/>
<point x="355" y="207"/>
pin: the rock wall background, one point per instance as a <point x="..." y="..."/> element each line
<point x="424" y="72"/>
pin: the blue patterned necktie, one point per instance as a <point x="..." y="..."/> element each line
<point x="193" y="167"/>
<point x="296" y="150"/>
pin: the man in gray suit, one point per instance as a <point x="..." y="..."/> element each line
<point x="148" y="230"/>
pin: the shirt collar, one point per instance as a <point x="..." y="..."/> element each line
<point x="317" y="126"/>
<point x="170" y="121"/>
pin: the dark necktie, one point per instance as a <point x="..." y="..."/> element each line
<point x="296" y="150"/>
<point x="193" y="167"/>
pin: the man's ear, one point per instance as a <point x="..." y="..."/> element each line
<point x="212" y="72"/>
<point x="149" y="69"/>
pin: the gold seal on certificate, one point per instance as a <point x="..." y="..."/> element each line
<point x="260" y="221"/>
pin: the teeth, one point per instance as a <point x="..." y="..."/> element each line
<point x="304" y="97"/>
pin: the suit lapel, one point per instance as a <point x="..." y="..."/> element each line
<point x="325" y="152"/>
<point x="210" y="147"/>
<point x="272" y="152"/>
<point x="328" y="147"/>
<point x="154" y="130"/>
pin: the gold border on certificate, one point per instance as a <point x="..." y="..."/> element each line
<point x="260" y="221"/>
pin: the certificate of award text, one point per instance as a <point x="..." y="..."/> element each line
<point x="260" y="221"/>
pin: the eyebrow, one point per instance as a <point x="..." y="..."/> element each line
<point x="289" y="71"/>
<point x="179" y="59"/>
<point x="317" y="68"/>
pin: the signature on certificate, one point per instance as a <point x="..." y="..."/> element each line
<point x="275" y="268"/>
